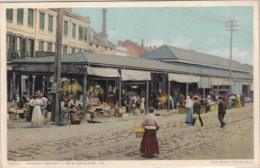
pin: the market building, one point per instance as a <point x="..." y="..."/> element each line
<point x="214" y="72"/>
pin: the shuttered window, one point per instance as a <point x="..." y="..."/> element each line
<point x="23" y="47"/>
<point x="73" y="49"/>
<point x="74" y="30"/>
<point x="85" y="34"/>
<point x="66" y="28"/>
<point x="65" y="50"/>
<point x="20" y="16"/>
<point x="9" y="14"/>
<point x="41" y="46"/>
<point x="42" y="20"/>
<point x="49" y="47"/>
<point x="13" y="47"/>
<point x="30" y="17"/>
<point x="80" y="33"/>
<point x="50" y="23"/>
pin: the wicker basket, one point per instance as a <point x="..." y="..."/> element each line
<point x="139" y="131"/>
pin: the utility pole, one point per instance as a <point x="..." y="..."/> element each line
<point x="57" y="64"/>
<point x="230" y="25"/>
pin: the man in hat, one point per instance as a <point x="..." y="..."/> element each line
<point x="221" y="112"/>
<point x="196" y="109"/>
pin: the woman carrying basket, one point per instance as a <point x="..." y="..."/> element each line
<point x="149" y="144"/>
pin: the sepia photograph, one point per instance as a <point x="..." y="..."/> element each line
<point x="130" y="84"/>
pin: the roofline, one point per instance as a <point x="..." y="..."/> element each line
<point x="207" y="65"/>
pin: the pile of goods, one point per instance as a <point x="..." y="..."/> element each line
<point x="121" y="112"/>
<point x="136" y="112"/>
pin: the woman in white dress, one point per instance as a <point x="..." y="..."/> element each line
<point x="37" y="117"/>
<point x="142" y="105"/>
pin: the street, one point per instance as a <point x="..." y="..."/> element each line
<point x="114" y="139"/>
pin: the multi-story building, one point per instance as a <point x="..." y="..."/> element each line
<point x="31" y="30"/>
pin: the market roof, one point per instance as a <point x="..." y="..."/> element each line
<point x="174" y="53"/>
<point x="133" y="63"/>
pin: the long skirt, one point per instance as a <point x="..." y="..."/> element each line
<point x="149" y="144"/>
<point x="37" y="117"/>
<point x="189" y="118"/>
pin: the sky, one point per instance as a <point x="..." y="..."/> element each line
<point x="202" y="29"/>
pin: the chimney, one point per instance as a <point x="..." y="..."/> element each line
<point x="142" y="44"/>
<point x="104" y="21"/>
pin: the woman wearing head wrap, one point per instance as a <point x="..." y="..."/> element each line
<point x="189" y="105"/>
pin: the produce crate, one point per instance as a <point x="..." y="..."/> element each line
<point x="203" y="109"/>
<point x="211" y="108"/>
<point x="122" y="115"/>
<point x="183" y="110"/>
<point x="216" y="107"/>
<point x="122" y="110"/>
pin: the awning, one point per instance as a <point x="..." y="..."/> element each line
<point x="135" y="75"/>
<point x="237" y="87"/>
<point x="220" y="81"/>
<point x="103" y="72"/>
<point x="183" y="78"/>
<point x="205" y="82"/>
<point x="246" y="82"/>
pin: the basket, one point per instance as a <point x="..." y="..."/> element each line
<point x="211" y="108"/>
<point x="139" y="131"/>
<point x="195" y="116"/>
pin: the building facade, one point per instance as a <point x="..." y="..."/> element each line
<point x="133" y="49"/>
<point x="31" y="30"/>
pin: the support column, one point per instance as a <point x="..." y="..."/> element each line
<point x="120" y="91"/>
<point x="163" y="83"/>
<point x="43" y="85"/>
<point x="47" y="84"/>
<point x="204" y="92"/>
<point x="106" y="90"/>
<point x="14" y="90"/>
<point x="147" y="97"/>
<point x="152" y="83"/>
<point x="187" y="89"/>
<point x="28" y="86"/>
<point x="33" y="85"/>
<point x="84" y="96"/>
<point x="169" y="93"/>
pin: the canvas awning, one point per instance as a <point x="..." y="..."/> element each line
<point x="183" y="78"/>
<point x="205" y="82"/>
<point x="135" y="75"/>
<point x="220" y="81"/>
<point x="103" y="72"/>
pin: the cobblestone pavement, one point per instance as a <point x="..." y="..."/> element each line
<point x="115" y="139"/>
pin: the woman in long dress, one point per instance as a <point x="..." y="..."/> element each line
<point x="142" y="104"/>
<point x="149" y="144"/>
<point x="189" y="105"/>
<point x="37" y="117"/>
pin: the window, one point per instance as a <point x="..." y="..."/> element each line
<point x="30" y="17"/>
<point x="65" y="28"/>
<point x="65" y="50"/>
<point x="23" y="47"/>
<point x="49" y="47"/>
<point x="20" y="16"/>
<point x="73" y="49"/>
<point x="41" y="46"/>
<point x="74" y="30"/>
<point x="42" y="20"/>
<point x="9" y="14"/>
<point x="13" y="47"/>
<point x="85" y="34"/>
<point x="50" y="23"/>
<point x="80" y="33"/>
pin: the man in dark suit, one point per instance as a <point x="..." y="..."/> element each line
<point x="196" y="109"/>
<point x="221" y="112"/>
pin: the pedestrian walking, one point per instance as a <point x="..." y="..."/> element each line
<point x="171" y="102"/>
<point x="142" y="109"/>
<point x="196" y="109"/>
<point x="37" y="117"/>
<point x="175" y="100"/>
<point x="189" y="105"/>
<point x="221" y="112"/>
<point x="149" y="144"/>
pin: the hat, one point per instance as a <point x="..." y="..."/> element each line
<point x="151" y="109"/>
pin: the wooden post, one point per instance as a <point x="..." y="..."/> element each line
<point x="14" y="90"/>
<point x="57" y="63"/>
<point x="106" y="90"/>
<point x="218" y="89"/>
<point x="120" y="91"/>
<point x="204" y="92"/>
<point x="169" y="93"/>
<point x="187" y="89"/>
<point x="84" y="96"/>
<point x="147" y="97"/>
<point x="43" y="85"/>
<point x="47" y="84"/>
<point x="33" y="85"/>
